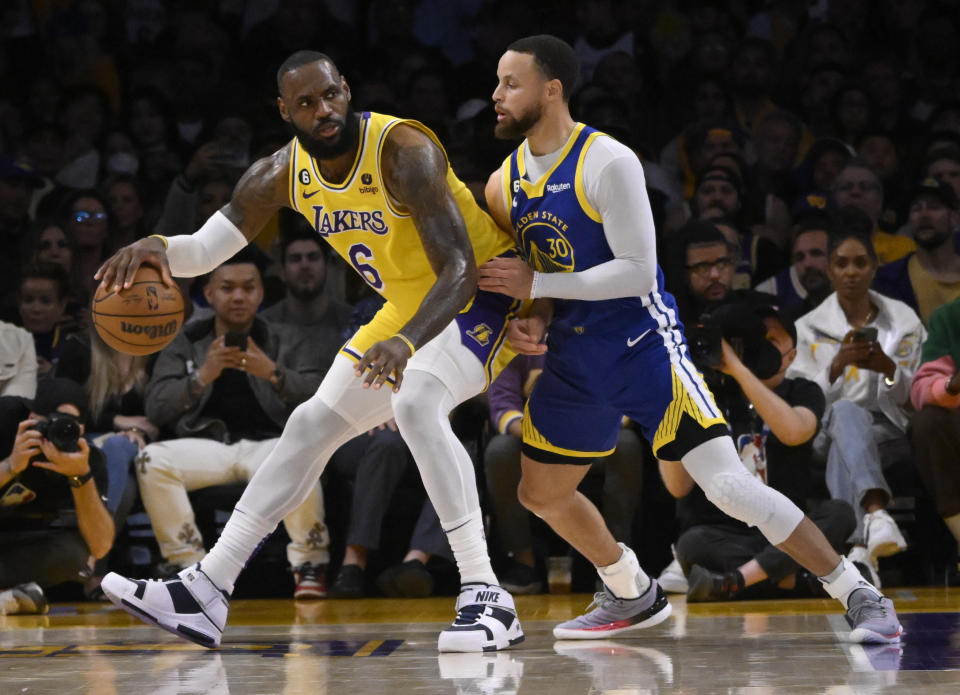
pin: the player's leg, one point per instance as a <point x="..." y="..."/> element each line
<point x="442" y="374"/>
<point x="565" y="427"/>
<point x="689" y="431"/>
<point x="194" y="604"/>
<point x="549" y="490"/>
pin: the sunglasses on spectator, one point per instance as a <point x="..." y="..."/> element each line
<point x="86" y="216"/>
<point x="47" y="244"/>
<point x="724" y="263"/>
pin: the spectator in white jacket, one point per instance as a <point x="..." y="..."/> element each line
<point x="862" y="349"/>
<point x="18" y="362"/>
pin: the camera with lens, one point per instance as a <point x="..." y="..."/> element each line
<point x="62" y="430"/>
<point x="743" y="327"/>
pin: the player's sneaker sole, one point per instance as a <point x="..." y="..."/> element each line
<point x="128" y="593"/>
<point x="654" y="615"/>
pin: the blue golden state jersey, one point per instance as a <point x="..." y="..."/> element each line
<point x="559" y="231"/>
<point x="370" y="230"/>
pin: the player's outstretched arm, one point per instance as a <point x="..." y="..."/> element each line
<point x="261" y="191"/>
<point x="415" y="173"/>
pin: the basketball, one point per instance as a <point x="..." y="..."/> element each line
<point x="142" y="319"/>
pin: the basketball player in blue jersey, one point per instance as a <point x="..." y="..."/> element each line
<point x="577" y="202"/>
<point x="381" y="192"/>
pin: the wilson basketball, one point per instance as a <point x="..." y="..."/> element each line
<point x="142" y="319"/>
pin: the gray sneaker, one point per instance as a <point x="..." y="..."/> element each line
<point x="608" y="615"/>
<point x="874" y="621"/>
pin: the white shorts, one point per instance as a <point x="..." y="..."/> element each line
<point x="445" y="357"/>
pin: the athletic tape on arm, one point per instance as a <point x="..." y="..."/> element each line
<point x="194" y="254"/>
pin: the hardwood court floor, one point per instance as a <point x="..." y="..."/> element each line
<point x="388" y="646"/>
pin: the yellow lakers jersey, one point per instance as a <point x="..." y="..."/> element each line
<point x="369" y="230"/>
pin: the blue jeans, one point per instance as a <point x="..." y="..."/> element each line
<point x="119" y="452"/>
<point x="858" y="445"/>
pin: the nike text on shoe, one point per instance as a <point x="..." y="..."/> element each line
<point x="188" y="605"/>
<point x="874" y="621"/>
<point x="608" y="615"/>
<point x="486" y="621"/>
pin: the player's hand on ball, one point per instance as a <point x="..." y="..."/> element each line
<point x="526" y="336"/>
<point x="383" y="359"/>
<point x="509" y="276"/>
<point x="118" y="270"/>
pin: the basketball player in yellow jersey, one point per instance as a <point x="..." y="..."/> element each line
<point x="381" y="192"/>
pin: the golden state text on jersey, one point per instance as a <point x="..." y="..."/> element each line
<point x="559" y="231"/>
<point x="371" y="230"/>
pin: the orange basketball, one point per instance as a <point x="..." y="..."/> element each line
<point x="142" y="319"/>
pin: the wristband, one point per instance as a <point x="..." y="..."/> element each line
<point x="79" y="480"/>
<point x="166" y="244"/>
<point x="406" y="342"/>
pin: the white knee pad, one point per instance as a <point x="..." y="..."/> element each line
<point x="724" y="480"/>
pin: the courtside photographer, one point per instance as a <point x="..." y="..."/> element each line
<point x="53" y="521"/>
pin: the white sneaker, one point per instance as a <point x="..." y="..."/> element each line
<point x="672" y="579"/>
<point x="486" y="621"/>
<point x="188" y="604"/>
<point x="882" y="535"/>
<point x="866" y="563"/>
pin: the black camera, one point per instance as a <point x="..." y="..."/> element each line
<point x="742" y="327"/>
<point x="62" y="430"/>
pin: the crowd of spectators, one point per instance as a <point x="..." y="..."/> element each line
<point x="801" y="159"/>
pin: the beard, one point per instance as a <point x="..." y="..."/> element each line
<point x="815" y="282"/>
<point x="929" y="238"/>
<point x="305" y="291"/>
<point x="516" y="128"/>
<point x="346" y="139"/>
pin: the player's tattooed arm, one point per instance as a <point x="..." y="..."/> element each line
<point x="263" y="189"/>
<point x="415" y="173"/>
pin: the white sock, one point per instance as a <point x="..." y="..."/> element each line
<point x="844" y="580"/>
<point x="953" y="523"/>
<point x="625" y="578"/>
<point x="240" y="540"/>
<point x="469" y="548"/>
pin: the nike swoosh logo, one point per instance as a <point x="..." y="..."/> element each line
<point x="631" y="343"/>
<point x="311" y="193"/>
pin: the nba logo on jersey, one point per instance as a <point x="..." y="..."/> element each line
<point x="480" y="333"/>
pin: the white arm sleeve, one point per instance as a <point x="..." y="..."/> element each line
<point x="617" y="190"/>
<point x="194" y="254"/>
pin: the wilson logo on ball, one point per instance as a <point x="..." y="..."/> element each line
<point x="151" y="332"/>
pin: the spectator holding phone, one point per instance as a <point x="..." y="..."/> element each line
<point x="226" y="386"/>
<point x="862" y="349"/>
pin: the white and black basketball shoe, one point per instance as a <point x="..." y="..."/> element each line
<point x="486" y="621"/>
<point x="189" y="604"/>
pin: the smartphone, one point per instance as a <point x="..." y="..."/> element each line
<point x="235" y="339"/>
<point x="864" y="334"/>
